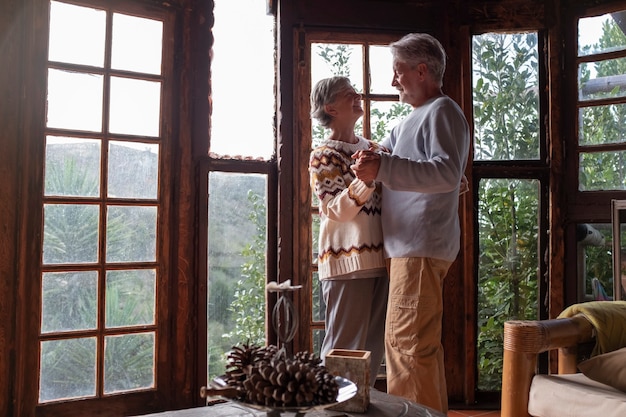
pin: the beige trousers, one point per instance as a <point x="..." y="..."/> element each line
<point x="414" y="353"/>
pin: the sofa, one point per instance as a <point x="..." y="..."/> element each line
<point x="590" y="374"/>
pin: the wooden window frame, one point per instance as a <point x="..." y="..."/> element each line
<point x="579" y="206"/>
<point x="302" y="148"/>
<point x="28" y="315"/>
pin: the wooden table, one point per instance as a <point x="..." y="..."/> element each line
<point x="381" y="405"/>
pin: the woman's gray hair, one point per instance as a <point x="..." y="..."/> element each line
<point x="417" y="48"/>
<point x="325" y="92"/>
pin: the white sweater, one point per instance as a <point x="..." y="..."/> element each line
<point x="421" y="178"/>
<point x="350" y="236"/>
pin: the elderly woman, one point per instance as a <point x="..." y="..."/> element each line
<point x="351" y="266"/>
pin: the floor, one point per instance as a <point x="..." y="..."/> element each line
<point x="474" y="413"/>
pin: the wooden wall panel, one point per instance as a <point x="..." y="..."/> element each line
<point x="11" y="45"/>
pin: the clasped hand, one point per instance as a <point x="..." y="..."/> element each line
<point x="366" y="165"/>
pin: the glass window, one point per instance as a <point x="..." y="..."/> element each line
<point x="595" y="275"/>
<point x="102" y="207"/>
<point x="507" y="267"/>
<point x="602" y="102"/>
<point x="506" y="96"/>
<point x="598" y="34"/>
<point x="506" y="128"/>
<point x="72" y="167"/>
<point x="237" y="274"/>
<point x="82" y="41"/>
<point x="241" y="160"/>
<point x="132" y="34"/>
<point x="74" y="100"/>
<point x="242" y="114"/>
<point x="382" y="112"/>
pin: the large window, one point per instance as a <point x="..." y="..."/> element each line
<point x="598" y="144"/>
<point x="238" y="172"/>
<point x="601" y="151"/>
<point x="510" y="176"/>
<point x="102" y="260"/>
<point x="368" y="65"/>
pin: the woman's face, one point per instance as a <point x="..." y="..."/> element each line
<point x="348" y="102"/>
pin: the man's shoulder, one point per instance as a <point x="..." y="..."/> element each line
<point x="444" y="101"/>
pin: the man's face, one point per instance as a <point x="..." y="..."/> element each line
<point x="408" y="82"/>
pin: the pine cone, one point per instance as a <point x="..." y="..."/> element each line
<point x="265" y="377"/>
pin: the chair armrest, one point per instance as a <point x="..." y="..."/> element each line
<point x="523" y="341"/>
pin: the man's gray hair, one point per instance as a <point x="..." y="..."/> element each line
<point x="417" y="48"/>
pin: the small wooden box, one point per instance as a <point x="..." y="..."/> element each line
<point x="355" y="366"/>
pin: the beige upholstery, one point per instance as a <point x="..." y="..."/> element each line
<point x="574" y="395"/>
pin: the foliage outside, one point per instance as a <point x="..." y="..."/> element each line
<point x="506" y="104"/>
<point x="507" y="128"/>
<point x="603" y="124"/>
<point x="70" y="298"/>
<point x="237" y="259"/>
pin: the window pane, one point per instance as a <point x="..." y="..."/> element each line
<point x="132" y="34"/>
<point x="381" y="70"/>
<point x="76" y="34"/>
<point x="70" y="233"/>
<point x="506" y="96"/>
<point x="331" y="59"/>
<point x="602" y="79"/>
<point x="128" y="362"/>
<point x="317" y="339"/>
<point x="319" y="306"/>
<point x="131" y="234"/>
<point x="602" y="171"/>
<point x="602" y="124"/>
<point x="68" y="369"/>
<point x="96" y="183"/>
<point x="384" y="116"/>
<point x="74" y="100"/>
<point x="133" y="170"/>
<point x="69" y="301"/>
<point x="507" y="267"/>
<point x="130" y="297"/>
<point x="235" y="87"/>
<point x="72" y="167"/>
<point x="135" y="107"/>
<point x="236" y="264"/>
<point x="319" y="133"/>
<point x="601" y="33"/>
<point x="315" y="235"/>
<point x="315" y="201"/>
<point x="595" y="269"/>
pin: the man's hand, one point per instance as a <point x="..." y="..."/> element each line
<point x="366" y="166"/>
<point x="464" y="185"/>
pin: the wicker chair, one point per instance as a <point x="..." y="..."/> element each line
<point x="523" y="341"/>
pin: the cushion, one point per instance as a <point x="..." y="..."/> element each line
<point x="608" y="368"/>
<point x="574" y="395"/>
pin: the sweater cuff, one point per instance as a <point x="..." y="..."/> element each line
<point x="360" y="191"/>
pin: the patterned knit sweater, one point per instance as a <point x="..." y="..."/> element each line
<point x="350" y="236"/>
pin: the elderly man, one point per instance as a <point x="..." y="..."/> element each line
<point x="421" y="233"/>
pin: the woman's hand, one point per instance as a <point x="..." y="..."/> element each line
<point x="366" y="165"/>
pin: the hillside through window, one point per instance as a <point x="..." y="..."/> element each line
<point x="241" y="156"/>
<point x="101" y="259"/>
